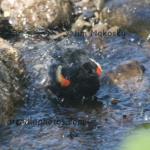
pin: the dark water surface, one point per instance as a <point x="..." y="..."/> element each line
<point x="85" y="127"/>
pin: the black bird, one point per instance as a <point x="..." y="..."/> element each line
<point x="74" y="76"/>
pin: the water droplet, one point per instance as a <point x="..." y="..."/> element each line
<point x="148" y="37"/>
<point x="132" y="39"/>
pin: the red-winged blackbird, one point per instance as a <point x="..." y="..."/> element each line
<point x="74" y="76"/>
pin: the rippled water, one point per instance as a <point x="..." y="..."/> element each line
<point x="84" y="127"/>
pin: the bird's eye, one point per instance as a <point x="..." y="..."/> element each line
<point x="64" y="82"/>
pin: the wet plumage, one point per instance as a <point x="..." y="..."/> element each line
<point x="75" y="76"/>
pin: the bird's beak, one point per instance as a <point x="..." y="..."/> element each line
<point x="61" y="79"/>
<point x="99" y="68"/>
